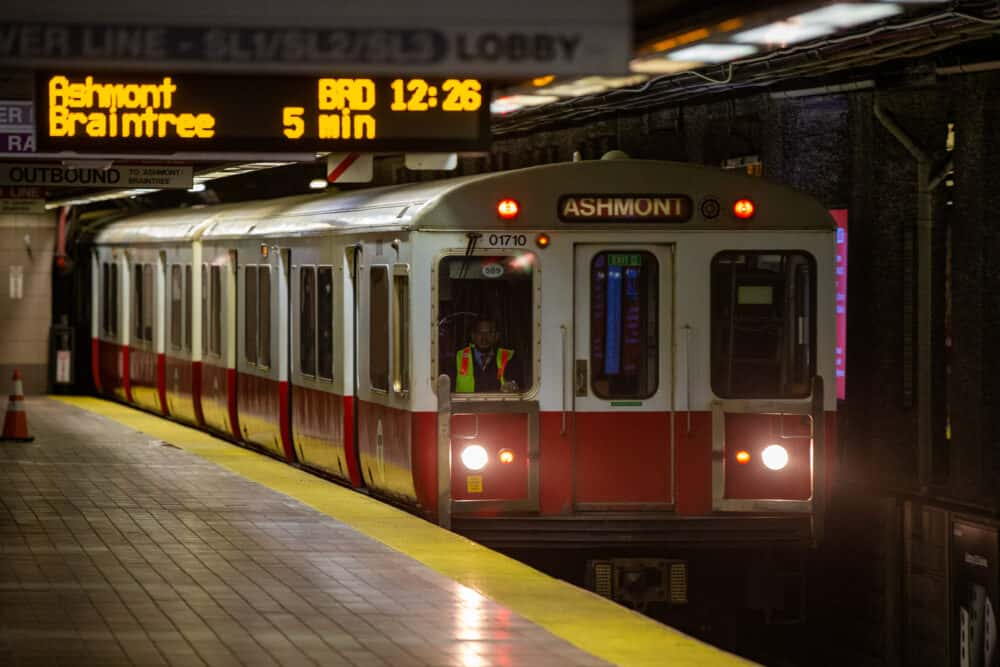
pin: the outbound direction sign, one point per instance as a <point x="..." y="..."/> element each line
<point x="166" y="112"/>
<point x="117" y="176"/>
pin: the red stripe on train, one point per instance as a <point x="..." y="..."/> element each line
<point x="126" y="374"/>
<point x="196" y="392"/>
<point x="95" y="363"/>
<point x="234" y="421"/>
<point x="283" y="420"/>
<point x="161" y="382"/>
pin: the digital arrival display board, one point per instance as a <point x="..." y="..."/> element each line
<point x="179" y="112"/>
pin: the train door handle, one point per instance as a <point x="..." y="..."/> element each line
<point x="581" y="377"/>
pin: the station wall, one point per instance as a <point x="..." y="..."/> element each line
<point x="27" y="244"/>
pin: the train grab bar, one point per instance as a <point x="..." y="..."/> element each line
<point x="687" y="372"/>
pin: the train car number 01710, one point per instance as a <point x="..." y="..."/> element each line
<point x="506" y="240"/>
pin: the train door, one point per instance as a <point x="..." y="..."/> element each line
<point x="623" y="378"/>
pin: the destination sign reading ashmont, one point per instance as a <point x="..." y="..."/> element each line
<point x="170" y="113"/>
<point x="625" y="208"/>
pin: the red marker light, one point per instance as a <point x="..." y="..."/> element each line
<point x="743" y="457"/>
<point x="743" y="209"/>
<point x="506" y="456"/>
<point x="542" y="240"/>
<point x="508" y="209"/>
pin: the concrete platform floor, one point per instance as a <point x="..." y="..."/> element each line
<point x="116" y="548"/>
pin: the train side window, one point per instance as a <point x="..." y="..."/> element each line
<point x="139" y="292"/>
<point x="250" y="313"/>
<point x="105" y="298"/>
<point x="215" y="337"/>
<point x="307" y="320"/>
<point x="204" y="309"/>
<point x="401" y="333"/>
<point x="187" y="306"/>
<point x="113" y="301"/>
<point x="624" y="326"/>
<point x="324" y="293"/>
<point x="264" y="316"/>
<point x="763" y="323"/>
<point x="495" y="294"/>
<point x="378" y="328"/>
<point x="147" y="302"/>
<point x="175" y="306"/>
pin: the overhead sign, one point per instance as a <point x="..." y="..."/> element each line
<point x="625" y="208"/>
<point x="375" y="37"/>
<point x="350" y="167"/>
<point x="168" y="113"/>
<point x="117" y="176"/>
<point x="17" y="126"/>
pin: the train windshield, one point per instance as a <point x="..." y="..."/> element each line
<point x="763" y="324"/>
<point x="486" y="324"/>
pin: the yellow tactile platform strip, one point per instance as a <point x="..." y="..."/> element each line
<point x="596" y="625"/>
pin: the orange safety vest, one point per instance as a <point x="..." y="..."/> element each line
<point x="465" y="380"/>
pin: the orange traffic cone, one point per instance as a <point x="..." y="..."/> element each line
<point x="15" y="422"/>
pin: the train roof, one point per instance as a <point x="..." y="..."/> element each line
<point x="469" y="202"/>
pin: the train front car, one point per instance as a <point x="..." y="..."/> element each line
<point x="636" y="352"/>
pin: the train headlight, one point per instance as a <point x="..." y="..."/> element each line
<point x="474" y="457"/>
<point x="774" y="457"/>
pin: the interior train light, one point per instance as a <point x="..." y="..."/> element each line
<point x="506" y="456"/>
<point x="508" y="209"/>
<point x="744" y="209"/>
<point x="743" y="456"/>
<point x="474" y="457"/>
<point x="774" y="457"/>
<point x="542" y="240"/>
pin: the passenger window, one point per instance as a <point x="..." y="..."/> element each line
<point x="187" y="306"/>
<point x="215" y="337"/>
<point x="105" y="298"/>
<point x="175" y="307"/>
<point x="763" y="324"/>
<point x="114" y="300"/>
<point x="325" y="322"/>
<point x="147" y="302"/>
<point x="205" y="312"/>
<point x="486" y="304"/>
<point x="264" y="316"/>
<point x="624" y="324"/>
<point x="378" y="328"/>
<point x="307" y="320"/>
<point x="250" y="310"/>
<point x="139" y="293"/>
<point x="401" y="333"/>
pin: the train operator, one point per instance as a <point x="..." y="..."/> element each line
<point x="481" y="366"/>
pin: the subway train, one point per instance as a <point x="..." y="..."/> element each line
<point x="661" y="334"/>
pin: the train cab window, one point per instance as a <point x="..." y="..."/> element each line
<point x="307" y="320"/>
<point x="215" y="322"/>
<point x="175" y="307"/>
<point x="264" y="316"/>
<point x="250" y="314"/>
<point x="485" y="322"/>
<point x="324" y="321"/>
<point x="763" y="324"/>
<point x="378" y="328"/>
<point x="187" y="306"/>
<point x="624" y="327"/>
<point x="401" y="333"/>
